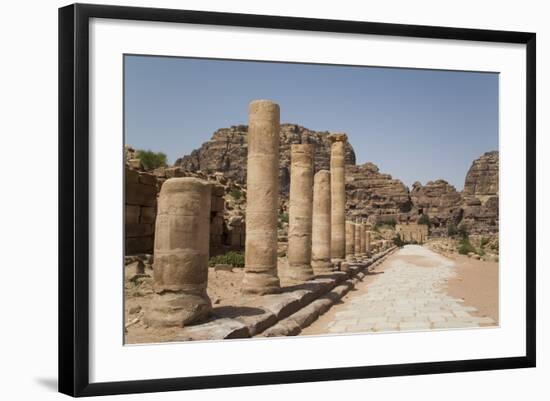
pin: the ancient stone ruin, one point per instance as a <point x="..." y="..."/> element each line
<point x="302" y="190"/>
<point x="181" y="253"/>
<point x="262" y="206"/>
<point x="338" y="196"/>
<point x="321" y="224"/>
<point x="412" y="232"/>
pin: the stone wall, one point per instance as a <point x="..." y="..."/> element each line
<point x="226" y="214"/>
<point x="140" y="211"/>
<point x="412" y="232"/>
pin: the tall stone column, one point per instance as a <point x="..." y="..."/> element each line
<point x="357" y="245"/>
<point x="367" y="243"/>
<point x="180" y="267"/>
<point x="262" y="184"/>
<point x="338" y="195"/>
<point x="320" y="251"/>
<point x="363" y="236"/>
<point x="350" y="239"/>
<point x="300" y="213"/>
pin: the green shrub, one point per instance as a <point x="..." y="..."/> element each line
<point x="465" y="247"/>
<point x="463" y="230"/>
<point x="484" y="241"/>
<point x="230" y="258"/>
<point x="150" y="159"/>
<point x="284" y="217"/>
<point x="424" y="219"/>
<point x="236" y="193"/>
<point x="452" y="230"/>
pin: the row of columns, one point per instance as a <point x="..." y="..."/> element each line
<point x="357" y="239"/>
<point x="318" y="233"/>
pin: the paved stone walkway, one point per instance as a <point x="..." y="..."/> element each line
<point x="407" y="295"/>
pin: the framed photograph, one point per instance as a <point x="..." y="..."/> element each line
<point x="251" y="199"/>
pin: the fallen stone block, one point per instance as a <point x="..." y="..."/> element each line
<point x="214" y="330"/>
<point x="305" y="316"/>
<point x="322" y="304"/>
<point x="282" y="329"/>
<point x="281" y="305"/>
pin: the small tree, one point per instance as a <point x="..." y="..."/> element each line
<point x="150" y="159"/>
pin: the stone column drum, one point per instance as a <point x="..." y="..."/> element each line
<point x="300" y="213"/>
<point x="338" y="196"/>
<point x="350" y="239"/>
<point x="321" y="229"/>
<point x="357" y="245"/>
<point x="363" y="237"/>
<point x="180" y="267"/>
<point x="262" y="184"/>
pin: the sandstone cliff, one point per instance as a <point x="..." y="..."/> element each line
<point x="481" y="196"/>
<point x="440" y="201"/>
<point x="482" y="178"/>
<point x="226" y="152"/>
<point x="375" y="195"/>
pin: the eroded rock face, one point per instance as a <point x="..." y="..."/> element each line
<point x="481" y="196"/>
<point x="439" y="200"/>
<point x="374" y="194"/>
<point x="482" y="178"/>
<point x="226" y="152"/>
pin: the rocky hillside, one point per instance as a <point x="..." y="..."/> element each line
<point x="482" y="178"/>
<point x="373" y="195"/>
<point x="439" y="200"/>
<point x="226" y="152"/>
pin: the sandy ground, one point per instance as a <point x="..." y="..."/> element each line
<point x="477" y="283"/>
<point x="223" y="289"/>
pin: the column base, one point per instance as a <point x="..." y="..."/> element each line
<point x="177" y="309"/>
<point x="321" y="267"/>
<point x="260" y="283"/>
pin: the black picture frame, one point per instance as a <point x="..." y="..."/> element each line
<point x="74" y="200"/>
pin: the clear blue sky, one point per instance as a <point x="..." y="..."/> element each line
<point x="418" y="125"/>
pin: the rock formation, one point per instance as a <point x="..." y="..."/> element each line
<point x="481" y="197"/>
<point x="227" y="149"/>
<point x="482" y="177"/>
<point x="440" y="201"/>
<point x="375" y="195"/>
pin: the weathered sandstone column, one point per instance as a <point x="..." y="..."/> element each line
<point x="367" y="243"/>
<point x="357" y="245"/>
<point x="180" y="272"/>
<point x="338" y="195"/>
<point x="350" y="239"/>
<point x="363" y="236"/>
<point x="262" y="199"/>
<point x="320" y="252"/>
<point x="300" y="213"/>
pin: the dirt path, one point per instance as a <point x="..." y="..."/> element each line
<point x="408" y="291"/>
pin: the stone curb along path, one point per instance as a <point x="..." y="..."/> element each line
<point x="284" y="314"/>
